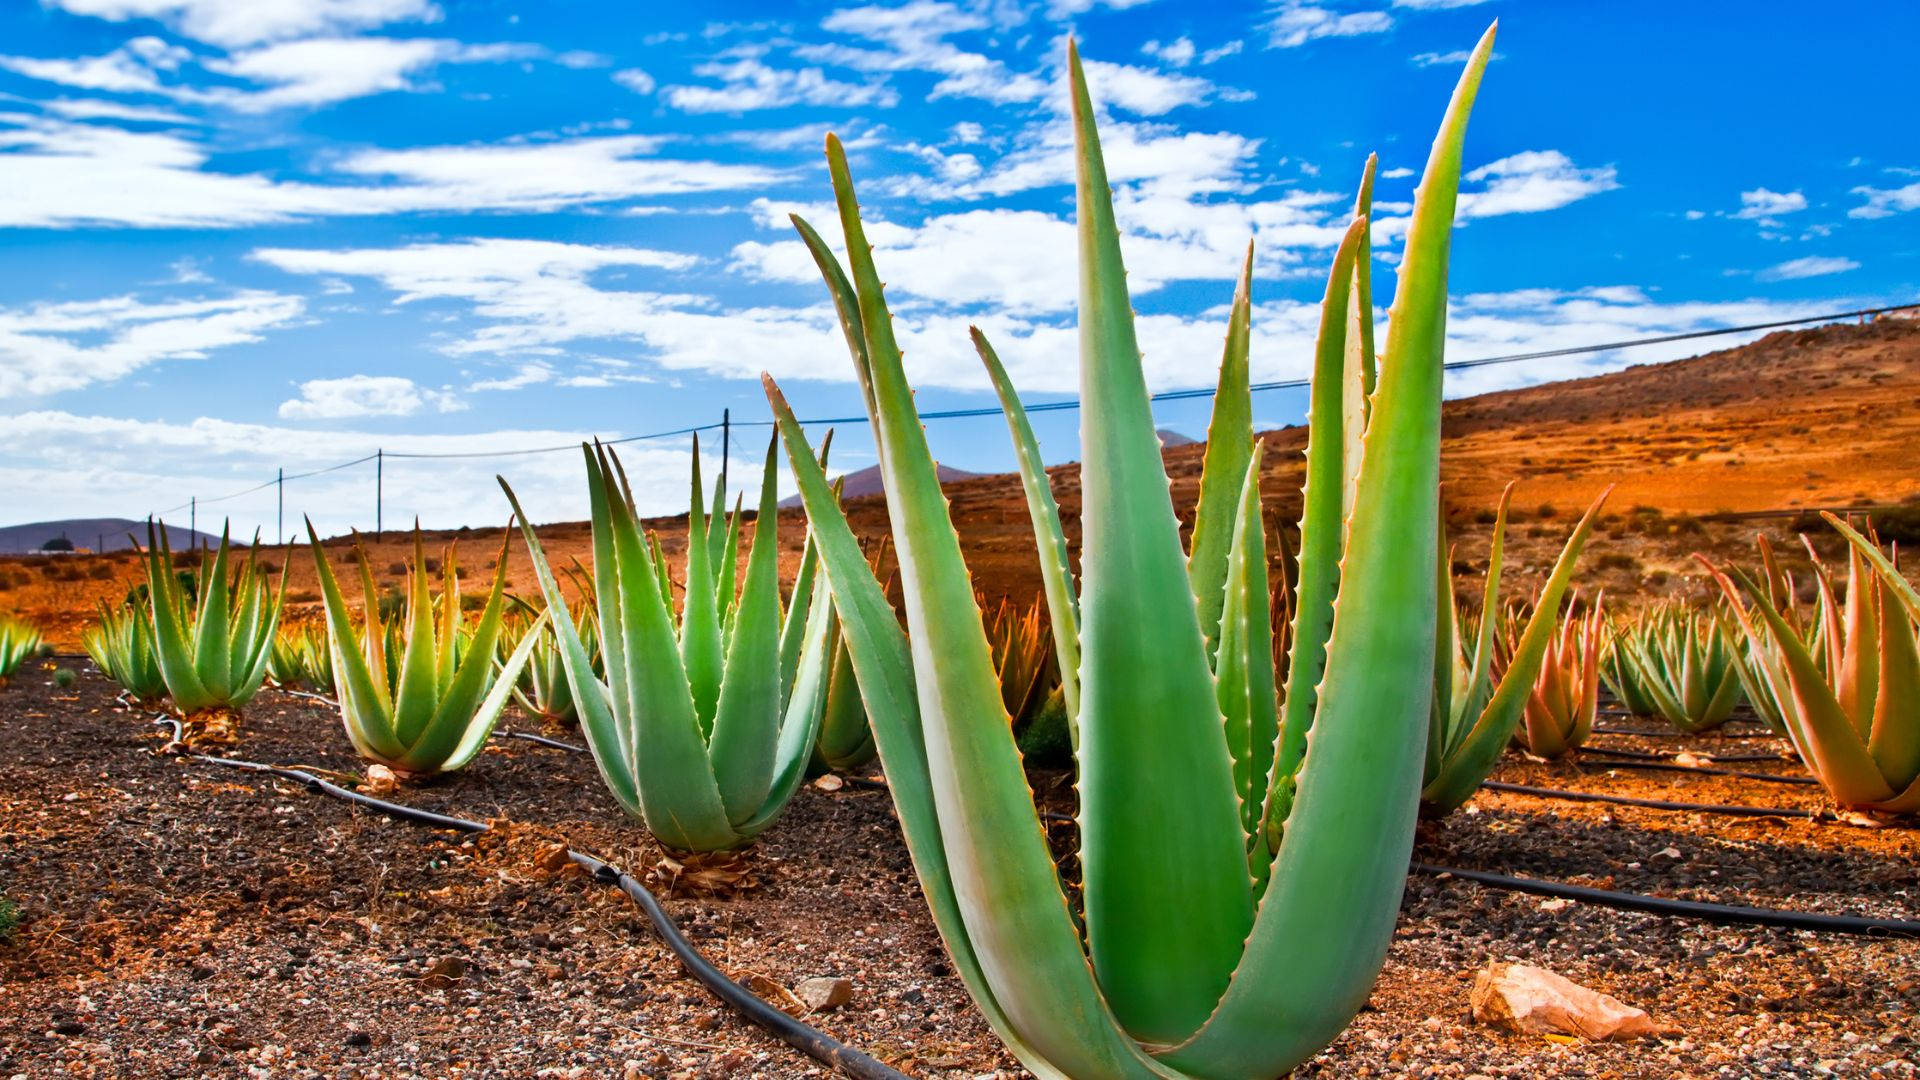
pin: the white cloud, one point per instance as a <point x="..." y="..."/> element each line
<point x="1762" y="205"/>
<point x="1231" y="48"/>
<point x="1396" y="174"/>
<point x="1436" y="5"/>
<point x="308" y="72"/>
<point x="364" y="395"/>
<point x="319" y="71"/>
<point x="233" y="23"/>
<point x="63" y="174"/>
<point x="914" y="39"/>
<point x="130" y="69"/>
<point x="1178" y="52"/>
<point x="1532" y="181"/>
<point x="95" y="109"/>
<point x="1806" y="267"/>
<point x="1061" y="9"/>
<point x="1435" y="59"/>
<point x="1297" y="22"/>
<point x="1145" y="91"/>
<point x="52" y="347"/>
<point x="748" y="84"/>
<point x="635" y="80"/>
<point x="1885" y="202"/>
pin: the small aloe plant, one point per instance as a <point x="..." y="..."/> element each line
<point x="1853" y="715"/>
<point x="211" y="649"/>
<point x="698" y="730"/>
<point x="18" y="644"/>
<point x="543" y="690"/>
<point x="1566" y="695"/>
<point x="1475" y="716"/>
<point x="121" y="645"/>
<point x="1240" y="880"/>
<point x="1681" y="664"/>
<point x="419" y="696"/>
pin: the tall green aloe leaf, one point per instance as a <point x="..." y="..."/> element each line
<point x="436" y="713"/>
<point x="1184" y="972"/>
<point x="700" y="781"/>
<point x="1467" y="735"/>
<point x="211" y="650"/>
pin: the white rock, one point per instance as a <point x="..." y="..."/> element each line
<point x="1537" y="1001"/>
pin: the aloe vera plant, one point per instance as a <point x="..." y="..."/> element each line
<point x="543" y="689"/>
<point x="300" y="657"/>
<point x="1854" y="714"/>
<point x="121" y="646"/>
<point x="698" y="730"/>
<point x="1474" y="716"/>
<point x="1560" y="711"/>
<point x="211" y="649"/>
<point x="413" y="697"/>
<point x="18" y="644"/>
<point x="1680" y="661"/>
<point x="1217" y="943"/>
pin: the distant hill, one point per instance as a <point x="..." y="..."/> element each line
<point x="1170" y="438"/>
<point x="90" y="533"/>
<point x="867" y="482"/>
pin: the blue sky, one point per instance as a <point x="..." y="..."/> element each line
<point x="249" y="234"/>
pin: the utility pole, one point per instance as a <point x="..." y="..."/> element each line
<point x="726" y="451"/>
<point x="280" y="508"/>
<point x="193" y="517"/>
<point x="379" y="483"/>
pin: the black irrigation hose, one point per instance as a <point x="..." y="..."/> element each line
<point x="1691" y="909"/>
<point x="1702" y="770"/>
<point x="1671" y="733"/>
<point x="1654" y="755"/>
<point x="1650" y="804"/>
<point x="542" y="740"/>
<point x="810" y="1041"/>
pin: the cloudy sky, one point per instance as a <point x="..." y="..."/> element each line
<point x="243" y="235"/>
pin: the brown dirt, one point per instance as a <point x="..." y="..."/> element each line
<point x="179" y="920"/>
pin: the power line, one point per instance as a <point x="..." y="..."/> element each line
<point x="1063" y="404"/>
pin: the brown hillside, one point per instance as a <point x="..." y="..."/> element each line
<point x="1822" y="417"/>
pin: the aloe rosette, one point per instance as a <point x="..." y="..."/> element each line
<point x="1229" y="932"/>
<point x="543" y="689"/>
<point x="121" y="646"/>
<point x="419" y="695"/>
<point x="1853" y="715"/>
<point x="1560" y="711"/>
<point x="1474" y="715"/>
<point x="1681" y="661"/>
<point x="700" y="729"/>
<point x="211" y="649"/>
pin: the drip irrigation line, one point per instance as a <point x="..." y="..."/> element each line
<point x="1703" y="770"/>
<point x="542" y="740"/>
<point x="1669" y="733"/>
<point x="810" y="1041"/>
<point x="1692" y="909"/>
<point x="1735" y="810"/>
<point x="1652" y="755"/>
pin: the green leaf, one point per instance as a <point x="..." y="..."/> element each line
<point x="700" y="616"/>
<point x="747" y="725"/>
<point x="1063" y="607"/>
<point x="1224" y="469"/>
<point x="1167" y="897"/>
<point x="1323" y="523"/>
